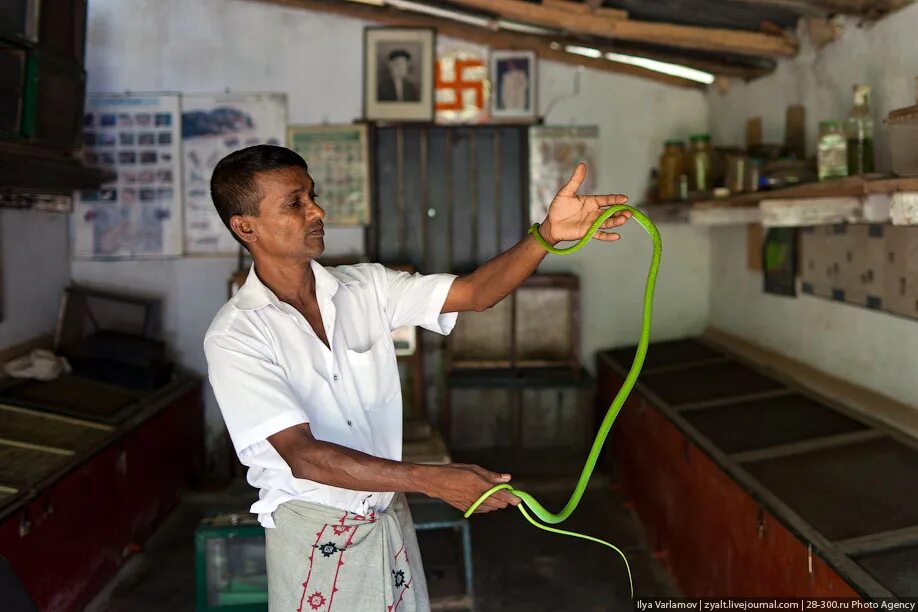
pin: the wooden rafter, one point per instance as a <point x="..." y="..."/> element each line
<point x="502" y="39"/>
<point x="667" y="34"/>
<point x="590" y="7"/>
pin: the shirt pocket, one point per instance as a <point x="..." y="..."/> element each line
<point x="374" y="373"/>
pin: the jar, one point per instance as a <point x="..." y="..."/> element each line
<point x="700" y="163"/>
<point x="753" y="174"/>
<point x="736" y="173"/>
<point x="672" y="166"/>
<point x="832" y="150"/>
<point x="860" y="133"/>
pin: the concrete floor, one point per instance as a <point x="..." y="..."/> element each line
<point x="516" y="566"/>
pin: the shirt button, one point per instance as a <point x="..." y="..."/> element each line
<point x="336" y="377"/>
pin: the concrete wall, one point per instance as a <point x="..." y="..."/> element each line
<point x="868" y="348"/>
<point x="36" y="269"/>
<point x="635" y="116"/>
<point x="210" y="45"/>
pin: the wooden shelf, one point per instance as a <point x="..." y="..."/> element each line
<point x="854" y="199"/>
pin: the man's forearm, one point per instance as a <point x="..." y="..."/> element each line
<point x="496" y="279"/>
<point x="342" y="467"/>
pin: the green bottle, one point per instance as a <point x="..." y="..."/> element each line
<point x="860" y="133"/>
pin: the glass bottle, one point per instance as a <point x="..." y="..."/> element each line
<point x="832" y="150"/>
<point x="860" y="133"/>
<point x="672" y="166"/>
<point x="700" y="163"/>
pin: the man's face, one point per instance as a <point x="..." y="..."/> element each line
<point x="399" y="67"/>
<point x="289" y="222"/>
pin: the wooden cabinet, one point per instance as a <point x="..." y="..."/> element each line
<point x="42" y="92"/>
<point x="66" y="536"/>
<point x="748" y="485"/>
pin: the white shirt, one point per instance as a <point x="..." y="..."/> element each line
<point x="270" y="371"/>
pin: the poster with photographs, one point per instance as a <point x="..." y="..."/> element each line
<point x="398" y="65"/>
<point x="513" y="74"/>
<point x="213" y="126"/>
<point x="554" y="152"/>
<point x="339" y="164"/>
<point x="137" y="214"/>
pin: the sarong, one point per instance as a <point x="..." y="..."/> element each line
<point x="327" y="560"/>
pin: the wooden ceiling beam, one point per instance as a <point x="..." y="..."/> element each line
<point x="666" y="34"/>
<point x="500" y="39"/>
<point x="590" y="7"/>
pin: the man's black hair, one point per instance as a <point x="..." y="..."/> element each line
<point x="233" y="185"/>
<point x="399" y="53"/>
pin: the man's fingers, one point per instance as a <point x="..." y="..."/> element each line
<point x="508" y="498"/>
<point x="490" y="505"/>
<point x="606" y="237"/>
<point x="494" y="477"/>
<point x="611" y="199"/>
<point x="576" y="180"/>
<point x="614" y="221"/>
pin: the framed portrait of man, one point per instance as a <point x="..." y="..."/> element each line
<point x="513" y="78"/>
<point x="398" y="69"/>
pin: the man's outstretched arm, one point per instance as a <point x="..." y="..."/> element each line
<point x="457" y="484"/>
<point x="569" y="218"/>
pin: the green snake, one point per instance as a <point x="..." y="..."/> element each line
<point x="528" y="500"/>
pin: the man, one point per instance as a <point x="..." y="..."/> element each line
<point x="303" y="366"/>
<point x="394" y="85"/>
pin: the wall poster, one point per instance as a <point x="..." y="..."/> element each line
<point x="213" y="126"/>
<point x="553" y="154"/>
<point x="338" y="162"/>
<point x="137" y="214"/>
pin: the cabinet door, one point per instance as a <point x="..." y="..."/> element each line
<point x="480" y="419"/>
<point x="555" y="418"/>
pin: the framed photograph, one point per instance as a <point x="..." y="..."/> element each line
<point x="513" y="76"/>
<point x="398" y="66"/>
<point x="338" y="158"/>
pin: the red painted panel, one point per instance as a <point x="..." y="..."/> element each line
<point x="711" y="535"/>
<point x="82" y="526"/>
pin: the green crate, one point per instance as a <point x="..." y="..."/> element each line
<point x="230" y="569"/>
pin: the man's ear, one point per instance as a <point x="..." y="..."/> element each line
<point x="243" y="228"/>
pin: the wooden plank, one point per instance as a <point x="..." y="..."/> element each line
<point x="502" y="39"/>
<point x="853" y="186"/>
<point x="586" y="8"/>
<point x="754" y="237"/>
<point x="879" y="541"/>
<point x="803" y="212"/>
<point x="36" y="447"/>
<point x="14" y="410"/>
<point x="839" y="392"/>
<point x="725" y="216"/>
<point x="668" y="34"/>
<point x="805" y="446"/>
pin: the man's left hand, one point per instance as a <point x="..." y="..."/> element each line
<point x="570" y="215"/>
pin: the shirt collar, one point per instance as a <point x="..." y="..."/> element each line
<point x="255" y="294"/>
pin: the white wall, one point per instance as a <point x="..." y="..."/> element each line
<point x="635" y="117"/>
<point x="209" y="45"/>
<point x="36" y="269"/>
<point x="872" y="349"/>
<point x="206" y="46"/>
